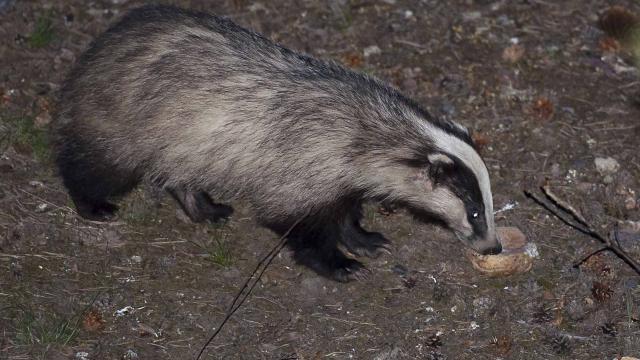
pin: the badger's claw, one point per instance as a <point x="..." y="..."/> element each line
<point x="351" y="270"/>
<point x="369" y="244"/>
<point x="331" y="264"/>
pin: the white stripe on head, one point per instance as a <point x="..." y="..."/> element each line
<point x="450" y="144"/>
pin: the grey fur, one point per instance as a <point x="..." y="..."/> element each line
<point x="193" y="101"/>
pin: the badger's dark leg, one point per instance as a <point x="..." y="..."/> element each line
<point x="199" y="206"/>
<point x="91" y="182"/>
<point x="359" y="241"/>
<point x="314" y="244"/>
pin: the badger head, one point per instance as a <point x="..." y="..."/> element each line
<point x="448" y="181"/>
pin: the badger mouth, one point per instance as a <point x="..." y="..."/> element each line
<point x="482" y="247"/>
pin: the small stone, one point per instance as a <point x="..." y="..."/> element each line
<point x="36" y="184"/>
<point x="606" y="166"/>
<point x="471" y="15"/>
<point x="82" y="355"/>
<point x="371" y="50"/>
<point x="136" y="259"/>
<point x="513" y="53"/>
<point x="124" y="311"/>
<point x="608" y="179"/>
<point x="42" y="120"/>
<point x="130" y="355"/>
<point x="67" y="55"/>
<point x="630" y="202"/>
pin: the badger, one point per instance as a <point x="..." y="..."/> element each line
<point x="208" y="110"/>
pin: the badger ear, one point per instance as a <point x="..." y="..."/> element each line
<point x="439" y="158"/>
<point x="430" y="172"/>
<point x="439" y="166"/>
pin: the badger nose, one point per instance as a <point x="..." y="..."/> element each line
<point x="492" y="250"/>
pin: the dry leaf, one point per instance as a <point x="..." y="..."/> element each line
<point x="480" y="140"/>
<point x="353" y="60"/>
<point x="609" y="44"/>
<point x="92" y="321"/>
<point x="601" y="291"/>
<point x="543" y="108"/>
<point x="503" y="344"/>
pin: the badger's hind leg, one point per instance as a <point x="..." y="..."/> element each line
<point x="91" y="181"/>
<point x="314" y="244"/>
<point x="199" y="206"/>
<point x="359" y="241"/>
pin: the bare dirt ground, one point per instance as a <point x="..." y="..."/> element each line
<point x="544" y="88"/>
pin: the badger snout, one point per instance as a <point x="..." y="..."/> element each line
<point x="483" y="246"/>
<point x="493" y="250"/>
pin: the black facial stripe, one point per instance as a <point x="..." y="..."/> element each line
<point x="463" y="183"/>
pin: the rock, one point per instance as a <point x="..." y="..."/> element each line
<point x="371" y="50"/>
<point x="390" y="354"/>
<point x="606" y="166"/>
<point x="80" y="355"/>
<point x="630" y="201"/>
<point x="471" y="15"/>
<point x="513" y="53"/>
<point x="36" y="184"/>
<point x="130" y="355"/>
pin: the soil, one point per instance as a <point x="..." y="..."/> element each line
<point x="544" y="89"/>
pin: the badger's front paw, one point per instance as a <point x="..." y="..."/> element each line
<point x="370" y="244"/>
<point x="332" y="264"/>
<point x="350" y="270"/>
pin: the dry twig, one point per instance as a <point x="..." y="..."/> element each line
<point x="246" y="289"/>
<point x="570" y="216"/>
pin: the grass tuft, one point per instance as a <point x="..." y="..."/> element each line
<point x="220" y="254"/>
<point x="46" y="329"/>
<point x="28" y="134"/>
<point x="21" y="132"/>
<point x="43" y="33"/>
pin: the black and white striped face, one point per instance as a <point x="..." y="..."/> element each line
<point x="459" y="190"/>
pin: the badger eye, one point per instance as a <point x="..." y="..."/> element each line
<point x="475" y="215"/>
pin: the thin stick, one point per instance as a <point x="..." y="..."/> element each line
<point x="589" y="255"/>
<point x="554" y="212"/>
<point x="238" y="301"/>
<point x="546" y="190"/>
<point x="582" y="224"/>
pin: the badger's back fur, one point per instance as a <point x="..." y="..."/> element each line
<point x="194" y="102"/>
